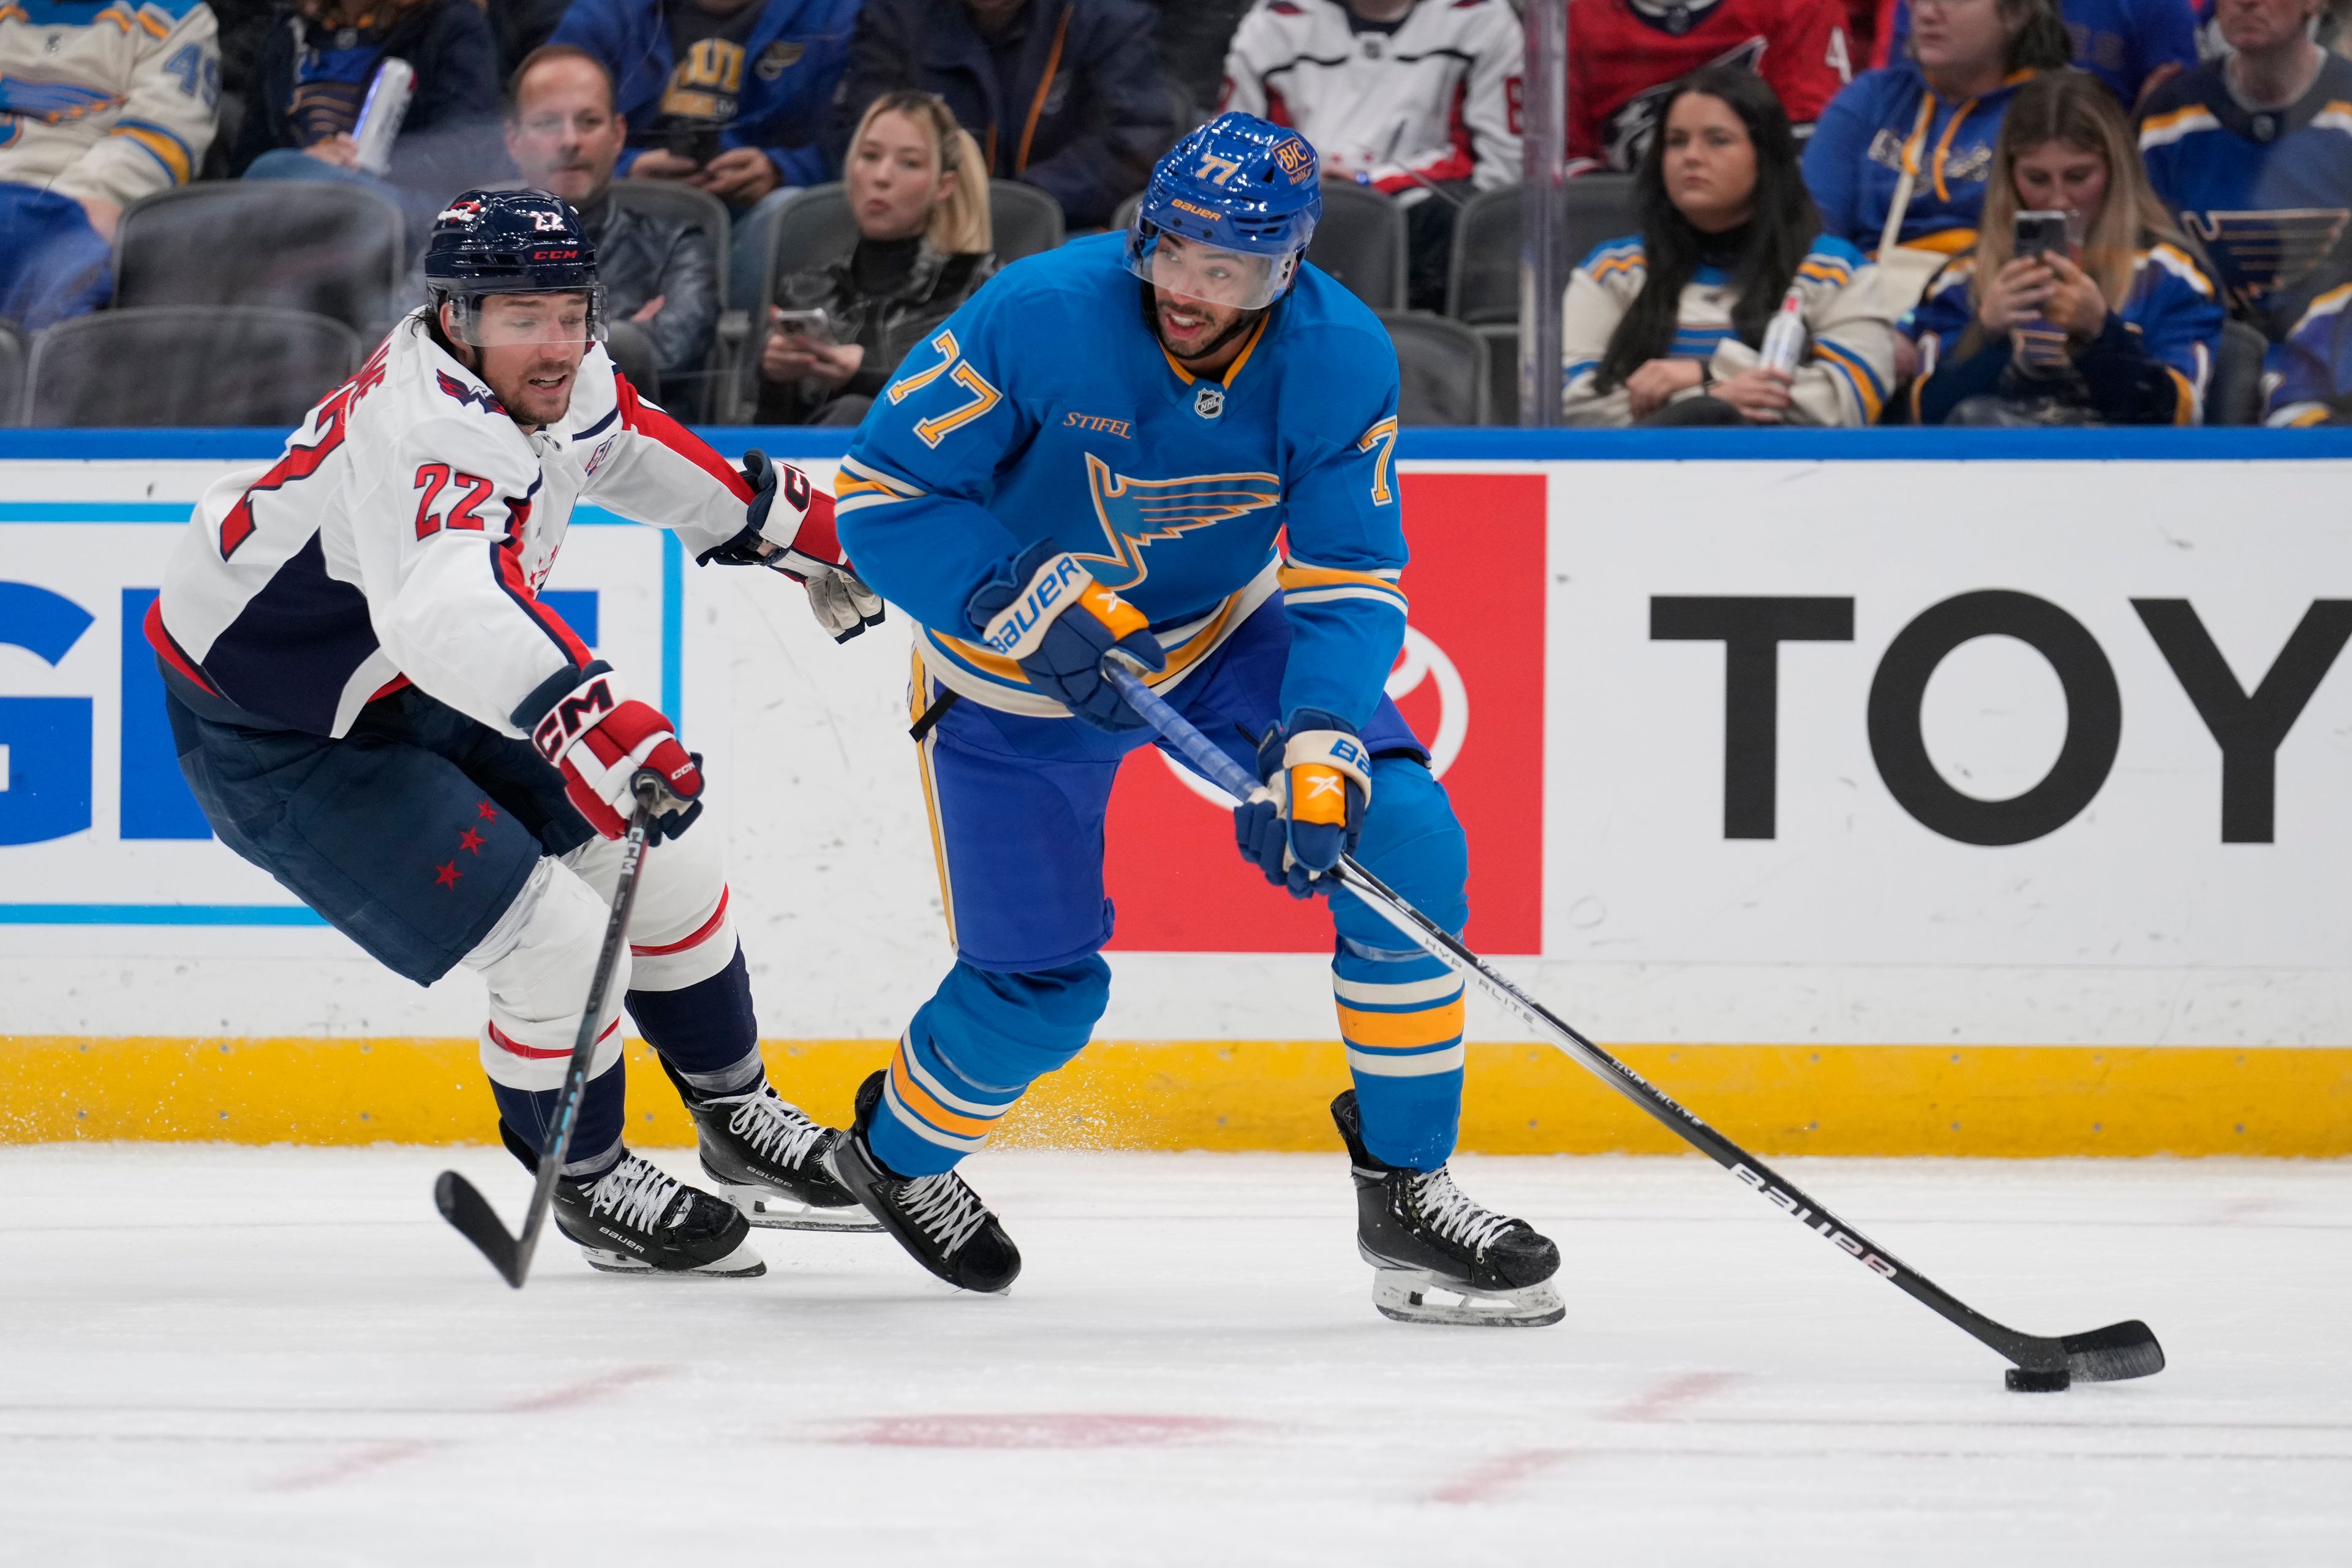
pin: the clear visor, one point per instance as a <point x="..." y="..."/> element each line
<point x="1208" y="273"/>
<point x="506" y="320"/>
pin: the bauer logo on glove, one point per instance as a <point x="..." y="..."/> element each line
<point x="1310" y="809"/>
<point x="1047" y="613"/>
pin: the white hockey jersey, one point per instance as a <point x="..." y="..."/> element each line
<point x="114" y="101"/>
<point x="405" y="534"/>
<point x="1437" y="98"/>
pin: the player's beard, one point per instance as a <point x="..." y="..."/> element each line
<point x="1240" y="325"/>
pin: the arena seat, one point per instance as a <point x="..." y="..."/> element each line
<point x="1502" y="341"/>
<point x="1361" y="242"/>
<point x="318" y="247"/>
<point x="188" y="365"/>
<point x="1441" y="369"/>
<point x="2234" y="396"/>
<point x="1483" y="282"/>
<point x="673" y="201"/>
<point x="1025" y="219"/>
<point x="12" y="373"/>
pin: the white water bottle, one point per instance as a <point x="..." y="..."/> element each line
<point x="1784" y="339"/>
<point x="380" y="116"/>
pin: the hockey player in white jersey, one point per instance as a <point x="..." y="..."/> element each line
<point x="370" y="702"/>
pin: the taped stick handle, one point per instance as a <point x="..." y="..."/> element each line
<point x="1196" y="748"/>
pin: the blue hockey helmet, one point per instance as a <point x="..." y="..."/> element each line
<point x="1239" y="185"/>
<point x="513" y="242"/>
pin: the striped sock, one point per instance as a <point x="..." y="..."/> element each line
<point x="1402" y="1018"/>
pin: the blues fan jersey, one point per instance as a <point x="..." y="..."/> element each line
<point x="2306" y="374"/>
<point x="112" y="101"/>
<point x="2268" y="192"/>
<point x="404" y="535"/>
<point x="1046" y="408"/>
<point x="1890" y="120"/>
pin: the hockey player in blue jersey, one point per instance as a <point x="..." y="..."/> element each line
<point x="1095" y="457"/>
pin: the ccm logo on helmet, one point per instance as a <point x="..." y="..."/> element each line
<point x="572" y="255"/>
<point x="565" y="722"/>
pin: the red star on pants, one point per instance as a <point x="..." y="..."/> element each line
<point x="470" y="841"/>
<point x="446" y="875"/>
<point x="486" y="811"/>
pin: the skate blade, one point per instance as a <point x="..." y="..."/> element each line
<point x="1414" y="1296"/>
<point x="741" y="1264"/>
<point x="776" y="1211"/>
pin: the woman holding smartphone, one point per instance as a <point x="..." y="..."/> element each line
<point x="2080" y="304"/>
<point x="918" y="194"/>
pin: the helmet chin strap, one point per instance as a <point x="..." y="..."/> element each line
<point x="1247" y="320"/>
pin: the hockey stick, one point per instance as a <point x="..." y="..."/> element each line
<point x="460" y="1202"/>
<point x="2103" y="1355"/>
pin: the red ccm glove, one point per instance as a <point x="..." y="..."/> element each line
<point x="603" y="743"/>
<point x="788" y="528"/>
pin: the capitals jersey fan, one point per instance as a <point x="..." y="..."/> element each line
<point x="1434" y="96"/>
<point x="405" y="534"/>
<point x="1625" y="56"/>
<point x="1169" y="489"/>
<point x="2268" y="191"/>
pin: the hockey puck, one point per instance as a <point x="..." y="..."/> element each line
<point x="2022" y="1379"/>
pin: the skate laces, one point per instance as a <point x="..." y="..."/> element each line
<point x="948" y="1210"/>
<point x="634" y="1193"/>
<point x="776" y="1131"/>
<point x="1452" y="1215"/>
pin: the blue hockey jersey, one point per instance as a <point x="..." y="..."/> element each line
<point x="1890" y="120"/>
<point x="2306" y="374"/>
<point x="2268" y="193"/>
<point x="1045" y="408"/>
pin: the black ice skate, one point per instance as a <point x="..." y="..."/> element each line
<point x="767" y="1155"/>
<point x="637" y="1219"/>
<point x="1424" y="1237"/>
<point x="937" y="1219"/>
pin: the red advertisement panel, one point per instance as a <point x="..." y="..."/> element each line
<point x="1471" y="683"/>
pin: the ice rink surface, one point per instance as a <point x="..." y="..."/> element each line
<point x="212" y="1354"/>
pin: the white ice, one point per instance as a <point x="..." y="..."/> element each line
<point x="230" y="1355"/>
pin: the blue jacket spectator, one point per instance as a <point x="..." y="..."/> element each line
<point x="2123" y="42"/>
<point x="1067" y="95"/>
<point x="2254" y="152"/>
<point x="702" y="79"/>
<point x="313" y="72"/>
<point x="2308" y="375"/>
<point x="1933" y="118"/>
<point x="2119" y="327"/>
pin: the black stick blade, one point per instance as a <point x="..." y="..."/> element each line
<point x="2111" y="1354"/>
<point x="466" y="1208"/>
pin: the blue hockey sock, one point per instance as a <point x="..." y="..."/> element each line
<point x="706" y="1031"/>
<point x="972" y="1050"/>
<point x="596" y="1137"/>
<point x="1401" y="1013"/>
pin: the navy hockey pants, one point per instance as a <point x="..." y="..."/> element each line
<point x="1018" y="806"/>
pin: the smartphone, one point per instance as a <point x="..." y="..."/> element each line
<point x="813" y="325"/>
<point x="2041" y="233"/>
<point x="697" y="146"/>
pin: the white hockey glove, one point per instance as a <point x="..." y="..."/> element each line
<point x="797" y="540"/>
<point x="603" y="742"/>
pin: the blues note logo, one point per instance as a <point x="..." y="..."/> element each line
<point x="1138" y="513"/>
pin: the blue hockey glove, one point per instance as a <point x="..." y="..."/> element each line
<point x="1310" y="809"/>
<point x="1046" y="613"/>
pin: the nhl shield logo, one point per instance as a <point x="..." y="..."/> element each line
<point x="1209" y="402"/>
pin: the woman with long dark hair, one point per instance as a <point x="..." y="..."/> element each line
<point x="1667" y="326"/>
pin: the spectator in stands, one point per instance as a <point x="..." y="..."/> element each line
<point x="521" y="27"/>
<point x="1067" y="95"/>
<point x="1420" y="100"/>
<point x="95" y="112"/>
<point x="728" y="96"/>
<point x="1663" y="327"/>
<point x="2253" y="151"/>
<point x="1627" y="58"/>
<point x="2308" y="375"/>
<point x="2118" y="328"/>
<point x="1193" y="37"/>
<point x="313" y="74"/>
<point x="2132" y="45"/>
<point x="920" y="203"/>
<point x="660" y="276"/>
<point x="1900" y="157"/>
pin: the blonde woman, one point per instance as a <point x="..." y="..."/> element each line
<point x="2114" y="323"/>
<point x="918" y="194"/>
